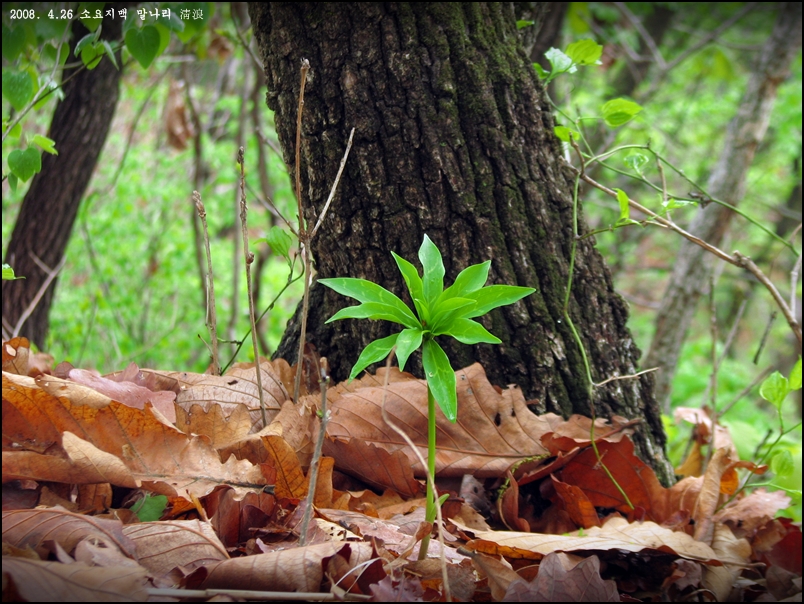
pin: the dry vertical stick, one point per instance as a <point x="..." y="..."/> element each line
<point x="304" y="236"/>
<point x="212" y="317"/>
<point x="249" y="260"/>
<point x="304" y="241"/>
<point x="323" y="382"/>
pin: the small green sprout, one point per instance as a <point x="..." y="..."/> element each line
<point x="438" y="312"/>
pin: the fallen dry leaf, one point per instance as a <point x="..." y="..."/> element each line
<point x="295" y="569"/>
<point x="163" y="546"/>
<point x="41" y="527"/>
<point x="617" y="533"/>
<point x="561" y="580"/>
<point x="493" y="430"/>
<point x="154" y="452"/>
<point x="238" y="386"/>
<point x="37" y="581"/>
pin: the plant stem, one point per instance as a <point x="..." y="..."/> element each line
<point x="430" y="510"/>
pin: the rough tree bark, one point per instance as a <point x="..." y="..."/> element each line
<point x="80" y="124"/>
<point x="453" y="139"/>
<point x="727" y="182"/>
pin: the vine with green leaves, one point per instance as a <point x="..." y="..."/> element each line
<point x="615" y="113"/>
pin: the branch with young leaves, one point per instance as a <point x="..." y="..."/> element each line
<point x="737" y="259"/>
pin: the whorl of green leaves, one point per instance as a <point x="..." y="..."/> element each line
<point x="438" y="311"/>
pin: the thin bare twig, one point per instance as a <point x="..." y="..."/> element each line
<point x="713" y="335"/>
<point x="764" y="337"/>
<point x="304" y="241"/>
<point x="211" y="315"/>
<point x="305" y="236"/>
<point x="249" y="260"/>
<point x="51" y="274"/>
<point x="646" y="37"/>
<point x="323" y="381"/>
<point x="305" y="67"/>
<point x="793" y="282"/>
<point x="727" y="343"/>
<point x="713" y="35"/>
<point x="247" y="594"/>
<point x="334" y="185"/>
<point x="625" y="377"/>
<point x="737" y="259"/>
<point x="765" y="373"/>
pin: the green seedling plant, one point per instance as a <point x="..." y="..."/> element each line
<point x="438" y="312"/>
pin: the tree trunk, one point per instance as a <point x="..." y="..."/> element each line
<point x="693" y="266"/>
<point x="45" y="221"/>
<point x="454" y="139"/>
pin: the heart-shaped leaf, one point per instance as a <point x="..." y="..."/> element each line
<point x="17" y="88"/>
<point x="24" y="164"/>
<point x="13" y="41"/>
<point x="143" y="44"/>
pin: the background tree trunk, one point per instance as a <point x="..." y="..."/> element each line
<point x="80" y="124"/>
<point x="693" y="266"/>
<point x="453" y="139"/>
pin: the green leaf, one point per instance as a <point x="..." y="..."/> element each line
<point x="47" y="144"/>
<point x="279" y="241"/>
<point x="493" y="296"/>
<point x="12" y="181"/>
<point x="774" y="389"/>
<point x="469" y="332"/>
<point x="376" y="351"/>
<point x="411" y="277"/>
<point x="54" y="93"/>
<point x="93" y="21"/>
<point x="561" y="63"/>
<point x="110" y="53"/>
<point x="164" y="37"/>
<point x="373" y="310"/>
<point x="470" y="279"/>
<point x="408" y="341"/>
<point x="173" y="22"/>
<point x="782" y="463"/>
<point x="366" y="291"/>
<point x="522" y="23"/>
<point x="563" y="133"/>
<point x="541" y="71"/>
<point x="8" y="273"/>
<point x="440" y="378"/>
<point x="447" y="310"/>
<point x="49" y="52"/>
<point x="13" y="43"/>
<point x="625" y="208"/>
<point x="617" y="112"/>
<point x="24" y="164"/>
<point x="18" y="88"/>
<point x="584" y="52"/>
<point x="674" y="204"/>
<point x="433" y="265"/>
<point x="91" y="56"/>
<point x="150" y="508"/>
<point x="636" y="161"/>
<point x="143" y="44"/>
<point x="87" y="40"/>
<point x="795" y="376"/>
